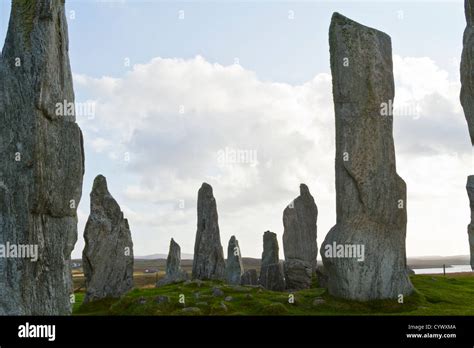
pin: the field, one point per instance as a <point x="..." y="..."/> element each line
<point x="435" y="295"/>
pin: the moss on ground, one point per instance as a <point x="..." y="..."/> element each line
<point x="435" y="295"/>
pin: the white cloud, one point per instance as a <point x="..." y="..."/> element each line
<point x="173" y="116"/>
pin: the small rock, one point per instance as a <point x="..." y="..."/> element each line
<point x="319" y="301"/>
<point x="202" y="303"/>
<point x="194" y="310"/>
<point x="216" y="292"/>
<point x="162" y="299"/>
<point x="197" y="295"/>
<point x="141" y="300"/>
<point x="239" y="288"/>
<point x="228" y="299"/>
<point x="223" y="307"/>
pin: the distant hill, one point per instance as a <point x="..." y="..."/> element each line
<point x="437" y="261"/>
<point x="163" y="256"/>
<point x="158" y="261"/>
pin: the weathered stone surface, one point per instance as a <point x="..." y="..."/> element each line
<point x="107" y="258"/>
<point x="41" y="161"/>
<point x="234" y="267"/>
<point x="271" y="277"/>
<point x="271" y="272"/>
<point x="250" y="277"/>
<point x="174" y="272"/>
<point x="299" y="240"/>
<point x="298" y="274"/>
<point x="467" y="68"/>
<point x="470" y="227"/>
<point x="322" y="276"/>
<point x="370" y="196"/>
<point x="208" y="260"/>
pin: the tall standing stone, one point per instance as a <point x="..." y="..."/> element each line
<point x="41" y="160"/>
<point x="467" y="68"/>
<point x="467" y="101"/>
<point x="208" y="260"/>
<point x="299" y="240"/>
<point x="470" y="227"/>
<point x="271" y="272"/>
<point x="370" y="196"/>
<point x="107" y="258"/>
<point x="174" y="272"/>
<point x="234" y="267"/>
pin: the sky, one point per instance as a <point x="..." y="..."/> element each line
<point x="177" y="86"/>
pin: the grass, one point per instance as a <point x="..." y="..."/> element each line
<point x="435" y="295"/>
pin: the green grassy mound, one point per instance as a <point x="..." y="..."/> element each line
<point x="435" y="295"/>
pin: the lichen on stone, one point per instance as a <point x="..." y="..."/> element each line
<point x="26" y="10"/>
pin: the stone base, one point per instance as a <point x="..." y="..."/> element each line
<point x="297" y="274"/>
<point x="382" y="273"/>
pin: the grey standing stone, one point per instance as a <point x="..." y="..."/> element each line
<point x="322" y="276"/>
<point x="41" y="160"/>
<point x="249" y="277"/>
<point x="107" y="258"/>
<point x="300" y="240"/>
<point x="174" y="272"/>
<point x="271" y="277"/>
<point x="370" y="196"/>
<point x="234" y="267"/>
<point x="271" y="272"/>
<point x="470" y="227"/>
<point x="467" y="68"/>
<point x="208" y="260"/>
<point x="298" y="274"/>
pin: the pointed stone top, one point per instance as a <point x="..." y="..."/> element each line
<point x="205" y="191"/>
<point x="172" y="242"/>
<point x="304" y="189"/>
<point x="100" y="185"/>
<point x="341" y="20"/>
<point x="206" y="187"/>
<point x="269" y="234"/>
<point x="232" y="239"/>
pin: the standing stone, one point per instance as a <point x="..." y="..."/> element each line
<point x="234" y="267"/>
<point x="41" y="160"/>
<point x="322" y="277"/>
<point x="370" y="196"/>
<point x="298" y="274"/>
<point x="107" y="258"/>
<point x="470" y="227"/>
<point x="208" y="260"/>
<point x="299" y="240"/>
<point x="249" y="277"/>
<point x="467" y="68"/>
<point x="174" y="272"/>
<point x="271" y="272"/>
<point x="467" y="101"/>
